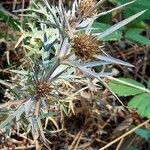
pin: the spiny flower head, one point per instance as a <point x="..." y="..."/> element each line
<point x="85" y="6"/>
<point x="85" y="46"/>
<point x="42" y="89"/>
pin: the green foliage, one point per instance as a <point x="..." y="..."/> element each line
<point x="125" y="90"/>
<point x="137" y="6"/>
<point x="8" y="20"/>
<point x="133" y="31"/>
<point x="101" y="27"/>
<point x="142" y="103"/>
<point x="144" y="133"/>
<point x="135" y="36"/>
<point x="129" y="87"/>
<point x="51" y="62"/>
<point x="148" y="84"/>
<point x="8" y="24"/>
<point x="132" y="148"/>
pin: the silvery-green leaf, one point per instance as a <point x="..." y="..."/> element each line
<point x="116" y="8"/>
<point x="18" y="115"/>
<point x="120" y="24"/>
<point x="113" y="60"/>
<point x="30" y="119"/>
<point x="31" y="50"/>
<point x="19" y="41"/>
<point x="68" y="77"/>
<point x="68" y="72"/>
<point x="89" y="73"/>
<point x="44" y="104"/>
<point x="7" y="121"/>
<point x="94" y="63"/>
<point x="104" y="13"/>
<point x="12" y="116"/>
<point x="29" y="127"/>
<point x="84" y="24"/>
<point x="28" y="106"/>
<point x="62" y="106"/>
<point x="64" y="47"/>
<point x="60" y="69"/>
<point x="7" y="84"/>
<point x="104" y="74"/>
<point x="41" y="129"/>
<point x="22" y="72"/>
<point x="73" y="11"/>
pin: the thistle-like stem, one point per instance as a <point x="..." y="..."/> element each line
<point x="52" y="70"/>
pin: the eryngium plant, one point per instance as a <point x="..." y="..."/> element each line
<point x="61" y="50"/>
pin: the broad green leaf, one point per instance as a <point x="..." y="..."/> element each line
<point x="135" y="7"/>
<point x="101" y="27"/>
<point x="134" y="35"/>
<point x="141" y="103"/>
<point x="144" y="133"/>
<point x="148" y="84"/>
<point x="132" y="148"/>
<point x="124" y="90"/>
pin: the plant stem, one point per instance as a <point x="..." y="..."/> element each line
<point x="52" y="70"/>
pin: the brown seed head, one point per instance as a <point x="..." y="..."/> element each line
<point x="42" y="89"/>
<point x="85" y="46"/>
<point x="85" y="6"/>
